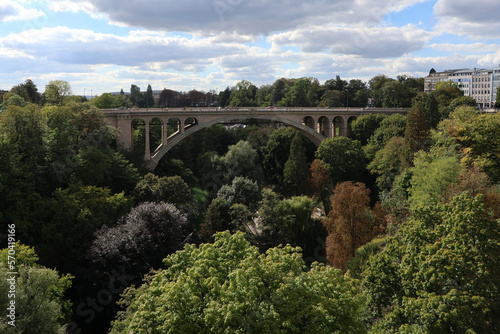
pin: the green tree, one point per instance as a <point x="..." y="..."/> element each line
<point x="376" y="83"/>
<point x="302" y="94"/>
<point x="14" y="100"/>
<point x="433" y="174"/>
<point x="358" y="93"/>
<point x="276" y="153"/>
<point x="439" y="274"/>
<point x="344" y="157"/>
<point x="417" y="134"/>
<point x="217" y="218"/>
<point x="32" y="90"/>
<point x="365" y="126"/>
<point x="242" y="160"/>
<point x="76" y="214"/>
<point x="432" y="107"/>
<point x="296" y="171"/>
<point x="264" y="95"/>
<point x="56" y="91"/>
<point x="171" y="189"/>
<point x="242" y="190"/>
<point x="135" y="95"/>
<point x="392" y="126"/>
<point x="224" y="97"/>
<point x="22" y="132"/>
<point x="332" y="98"/>
<point x="229" y="287"/>
<point x="243" y="95"/>
<point x="299" y="228"/>
<point x="149" y="98"/>
<point x="40" y="306"/>
<point x="388" y="163"/>
<point x="106" y="101"/>
<point x="478" y="139"/>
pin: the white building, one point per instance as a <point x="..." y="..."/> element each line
<point x="480" y="84"/>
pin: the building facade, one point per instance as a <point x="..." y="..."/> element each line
<point x="480" y="84"/>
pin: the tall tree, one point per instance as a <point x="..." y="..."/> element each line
<point x="276" y="153"/>
<point x="243" y="95"/>
<point x="32" y="90"/>
<point x="296" y="170"/>
<point x="56" y="91"/>
<point x="417" y="130"/>
<point x="376" y="83"/>
<point x="135" y="95"/>
<point x="350" y="224"/>
<point x="224" y="97"/>
<point x="319" y="183"/>
<point x="432" y="107"/>
<point x="150" y="101"/>
<point x="388" y="163"/>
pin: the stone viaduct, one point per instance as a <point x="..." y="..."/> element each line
<point x="315" y="123"/>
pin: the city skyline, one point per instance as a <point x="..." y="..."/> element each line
<point x="105" y="45"/>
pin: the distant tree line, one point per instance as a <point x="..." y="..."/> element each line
<point x="380" y="91"/>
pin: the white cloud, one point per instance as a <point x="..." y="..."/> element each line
<point x="476" y="19"/>
<point x="243" y="17"/>
<point x="373" y="42"/>
<point x="79" y="46"/>
<point x="71" y="6"/>
<point x="466" y="48"/>
<point x="13" y="11"/>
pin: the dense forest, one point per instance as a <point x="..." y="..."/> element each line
<point x="252" y="228"/>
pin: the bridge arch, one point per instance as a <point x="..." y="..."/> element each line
<point x="325" y="126"/>
<point x="312" y="135"/>
<point x="137" y="123"/>
<point x="308" y="121"/>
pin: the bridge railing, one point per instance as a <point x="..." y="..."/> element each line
<point x="252" y="109"/>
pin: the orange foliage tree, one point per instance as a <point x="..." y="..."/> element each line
<point x="351" y="223"/>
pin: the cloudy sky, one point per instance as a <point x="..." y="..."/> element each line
<point x="107" y="45"/>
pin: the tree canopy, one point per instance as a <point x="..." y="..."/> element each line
<point x="439" y="273"/>
<point x="229" y="287"/>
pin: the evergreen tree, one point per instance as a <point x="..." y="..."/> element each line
<point x="296" y="170"/>
<point x="432" y="107"/>
<point x="149" y="97"/>
<point x="224" y="97"/>
<point x="417" y="130"/>
<point x="135" y="95"/>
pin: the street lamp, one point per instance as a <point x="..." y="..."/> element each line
<point x="347" y="91"/>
